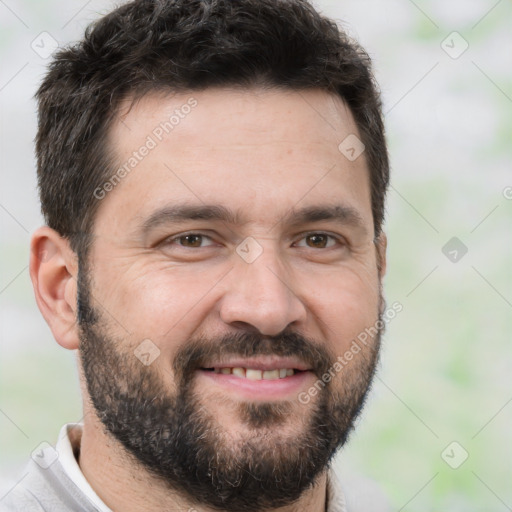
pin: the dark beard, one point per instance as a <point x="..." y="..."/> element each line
<point x="177" y="440"/>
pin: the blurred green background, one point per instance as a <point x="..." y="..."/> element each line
<point x="445" y="74"/>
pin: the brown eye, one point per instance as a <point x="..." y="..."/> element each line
<point x="191" y="240"/>
<point x="318" y="241"/>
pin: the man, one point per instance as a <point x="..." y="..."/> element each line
<point x="213" y="175"/>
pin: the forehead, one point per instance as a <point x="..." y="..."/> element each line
<point x="259" y="152"/>
<point x="272" y="107"/>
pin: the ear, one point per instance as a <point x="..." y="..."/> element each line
<point x="53" y="270"/>
<point x="381" y="243"/>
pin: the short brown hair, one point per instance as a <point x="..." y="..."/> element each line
<point x="186" y="45"/>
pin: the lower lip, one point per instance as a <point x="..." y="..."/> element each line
<point x="276" y="389"/>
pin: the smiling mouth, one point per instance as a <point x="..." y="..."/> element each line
<point x="254" y="373"/>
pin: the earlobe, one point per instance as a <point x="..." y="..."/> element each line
<point x="53" y="271"/>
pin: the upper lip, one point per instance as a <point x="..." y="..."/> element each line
<point x="260" y="363"/>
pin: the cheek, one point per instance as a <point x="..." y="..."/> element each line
<point x="169" y="303"/>
<point x="164" y="302"/>
<point x="346" y="305"/>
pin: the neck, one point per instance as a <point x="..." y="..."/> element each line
<point x="122" y="484"/>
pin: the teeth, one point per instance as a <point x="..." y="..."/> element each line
<point x="253" y="374"/>
<point x="239" y="372"/>
<point x="271" y="374"/>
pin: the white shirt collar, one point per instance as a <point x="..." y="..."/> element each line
<point x="69" y="442"/>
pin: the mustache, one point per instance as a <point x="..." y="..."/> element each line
<point x="199" y="351"/>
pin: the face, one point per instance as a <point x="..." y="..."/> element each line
<point x="233" y="263"/>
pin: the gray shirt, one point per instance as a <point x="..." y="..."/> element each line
<point x="53" y="482"/>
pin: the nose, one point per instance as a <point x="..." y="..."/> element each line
<point x="260" y="296"/>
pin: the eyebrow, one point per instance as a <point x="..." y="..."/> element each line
<point x="346" y="215"/>
<point x="184" y="212"/>
<point x="339" y="213"/>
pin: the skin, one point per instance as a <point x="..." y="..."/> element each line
<point x="260" y="153"/>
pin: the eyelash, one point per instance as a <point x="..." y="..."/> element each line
<point x="338" y="240"/>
